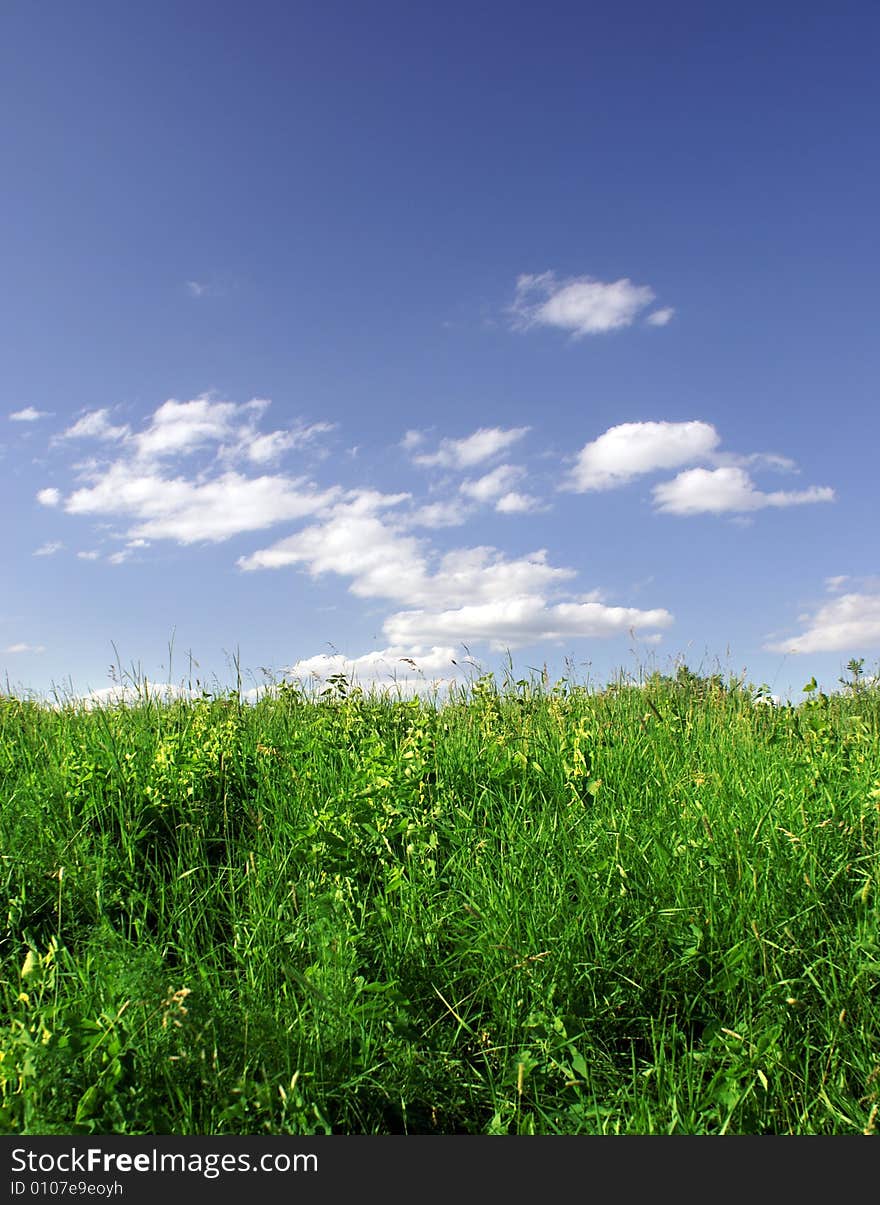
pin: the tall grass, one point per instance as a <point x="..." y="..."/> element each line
<point x="529" y="910"/>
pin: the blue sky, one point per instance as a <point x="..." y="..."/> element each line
<point x="341" y="336"/>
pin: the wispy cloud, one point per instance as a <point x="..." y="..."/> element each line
<point x="25" y="648"/>
<point x="95" y="424"/>
<point x="495" y="488"/>
<point x="451" y="513"/>
<point x="49" y="496"/>
<point x="49" y="549"/>
<point x="468" y="452"/>
<point x="267" y="449"/>
<point x="716" y="491"/>
<point x="493" y="484"/>
<point x="847" y="624"/>
<point x="28" y="415"/>
<point x="581" y="305"/>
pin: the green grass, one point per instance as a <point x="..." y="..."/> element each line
<point x="529" y="910"/>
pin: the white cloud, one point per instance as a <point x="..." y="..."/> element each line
<point x="848" y="624"/>
<point x="630" y="449"/>
<point x="715" y="491"/>
<point x="196" y="289"/>
<point x="439" y="514"/>
<point x="492" y="485"/>
<point x="166" y="508"/>
<point x="400" y="670"/>
<point x="49" y="549"/>
<point x="464" y="596"/>
<point x="661" y="317"/>
<point x="579" y="304"/>
<point x="412" y="439"/>
<point x="444" y="597"/>
<point x="25" y="648"/>
<point x="473" y="449"/>
<point x="514" y="503"/>
<point x="758" y="460"/>
<point x="28" y="415"/>
<point x="110" y="696"/>
<point x="511" y="621"/>
<point x="213" y="504"/>
<point x="353" y="541"/>
<point x="88" y="556"/>
<point x="385" y="562"/>
<point x="95" y="425"/>
<point x="264" y="449"/>
<point x="179" y="428"/>
<point x="835" y="584"/>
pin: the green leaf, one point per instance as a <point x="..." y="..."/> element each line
<point x="87" y="1102"/>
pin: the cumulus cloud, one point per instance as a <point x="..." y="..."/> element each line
<point x="631" y="449"/>
<point x="384" y="561"/>
<point x="467" y="595"/>
<point x="715" y="491"/>
<point x="508" y="622"/>
<point x="474" y="449"/>
<point x="515" y="503"/>
<point x="174" y="508"/>
<point x="579" y="304"/>
<point x="180" y="428"/>
<point x="111" y="696"/>
<point x="141" y="486"/>
<point x="150" y="489"/>
<point x="28" y="415"/>
<point x="404" y="670"/>
<point x="849" y="623"/>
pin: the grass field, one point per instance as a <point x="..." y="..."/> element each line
<point x="533" y="909"/>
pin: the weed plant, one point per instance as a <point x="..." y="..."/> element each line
<point x="528" y="909"/>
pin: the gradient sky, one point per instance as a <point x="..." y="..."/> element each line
<point x="365" y="337"/>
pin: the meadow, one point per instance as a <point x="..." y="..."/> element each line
<point x="531" y="909"/>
